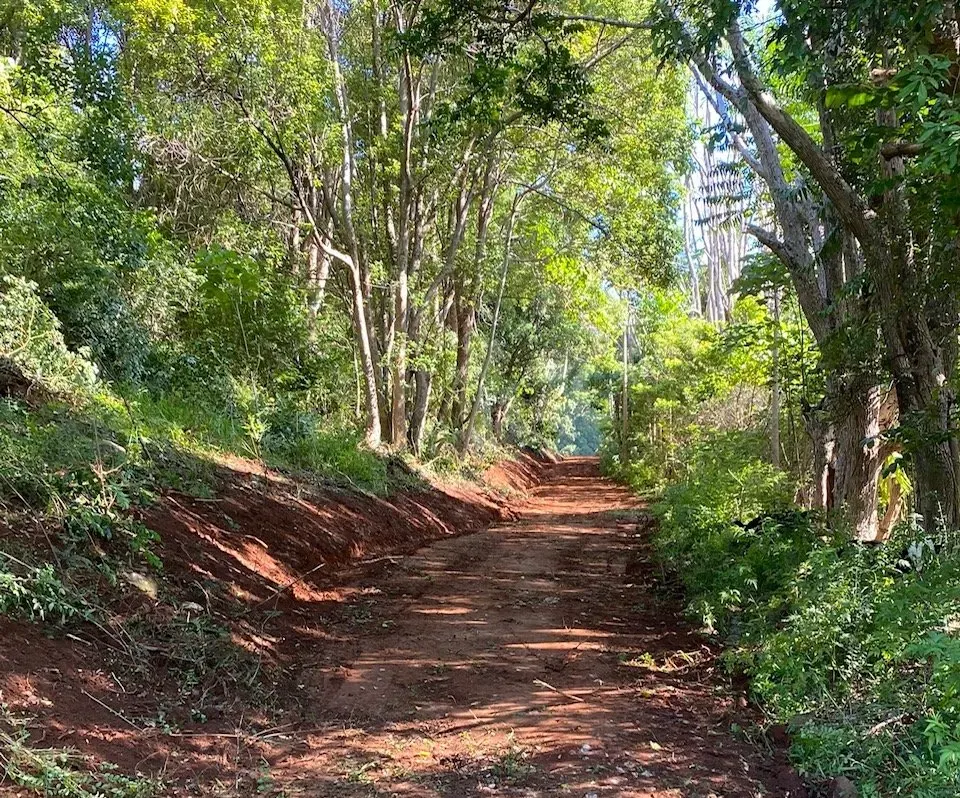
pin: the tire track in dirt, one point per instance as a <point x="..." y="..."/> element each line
<point x="537" y="658"/>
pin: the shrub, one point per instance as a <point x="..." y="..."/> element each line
<point x="855" y="647"/>
<point x="38" y="594"/>
<point x="715" y="515"/>
<point x="297" y="440"/>
<point x="30" y="338"/>
<point x="66" y="465"/>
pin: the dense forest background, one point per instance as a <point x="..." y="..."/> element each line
<point x="716" y="242"/>
<point x="279" y="228"/>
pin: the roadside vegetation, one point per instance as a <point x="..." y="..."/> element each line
<point x="850" y="646"/>
<point x="804" y="479"/>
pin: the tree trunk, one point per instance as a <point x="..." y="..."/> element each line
<point x="857" y="461"/>
<point x="823" y="437"/>
<point x="919" y="362"/>
<point x="423" y="382"/>
<point x="625" y="395"/>
<point x="892" y="514"/>
<point x="466" y="323"/>
<point x="846" y="471"/>
<point x="398" y="366"/>
<point x="775" y="384"/>
<point x="935" y="460"/>
<point x="467" y="296"/>
<point x="913" y="354"/>
<point x="498" y="416"/>
<point x="693" y="264"/>
<point x="318" y="273"/>
<point x="466" y="434"/>
<point x="847" y="454"/>
<point x="373" y="433"/>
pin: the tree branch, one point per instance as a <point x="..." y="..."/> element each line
<point x="612" y="22"/>
<point x="850" y="206"/>
<point x="901" y="149"/>
<point x="289" y="168"/>
<point x="769" y="240"/>
<point x="735" y="138"/>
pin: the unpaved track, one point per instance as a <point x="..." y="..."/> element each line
<point x="534" y="659"/>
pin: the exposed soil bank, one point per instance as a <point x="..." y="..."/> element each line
<point x="537" y="657"/>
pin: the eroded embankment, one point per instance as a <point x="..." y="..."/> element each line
<point x="179" y="667"/>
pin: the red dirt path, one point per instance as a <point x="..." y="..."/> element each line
<point x="536" y="658"/>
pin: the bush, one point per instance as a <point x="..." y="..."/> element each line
<point x="297" y="440"/>
<point x="256" y="425"/>
<point x="714" y="515"/>
<point x="30" y="339"/>
<point x="66" y="465"/>
<point x="37" y="595"/>
<point x="867" y="657"/>
<point x="854" y="647"/>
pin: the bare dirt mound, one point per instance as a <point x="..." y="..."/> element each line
<point x="534" y="658"/>
<point x="520" y="473"/>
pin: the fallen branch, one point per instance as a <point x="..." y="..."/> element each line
<point x="571" y="696"/>
<point x="287" y="586"/>
<point x="112" y="711"/>
<point x="266" y="734"/>
<point x="875" y="730"/>
<point x="392" y="559"/>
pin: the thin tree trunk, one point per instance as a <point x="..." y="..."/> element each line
<point x="466" y="435"/>
<point x="466" y="324"/>
<point x="775" y="385"/>
<point x="823" y="439"/>
<point x="625" y="395"/>
<point x="423" y="381"/>
<point x="373" y="431"/>
<point x="693" y="264"/>
<point x="359" y="277"/>
<point x="467" y="296"/>
<point x="498" y="416"/>
<point x="398" y="363"/>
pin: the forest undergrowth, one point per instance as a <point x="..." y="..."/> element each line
<point x="850" y="647"/>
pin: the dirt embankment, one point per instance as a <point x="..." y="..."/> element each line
<point x="264" y="531"/>
<point x="194" y="659"/>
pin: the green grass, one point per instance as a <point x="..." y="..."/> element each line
<point x="288" y="440"/>
<point x="61" y="773"/>
<point x="163" y="442"/>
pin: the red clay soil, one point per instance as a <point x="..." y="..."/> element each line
<point x="536" y="657"/>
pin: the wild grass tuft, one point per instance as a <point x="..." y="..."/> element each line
<point x="61" y="773"/>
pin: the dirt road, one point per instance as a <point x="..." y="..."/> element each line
<point x="538" y="658"/>
<point x="541" y="657"/>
